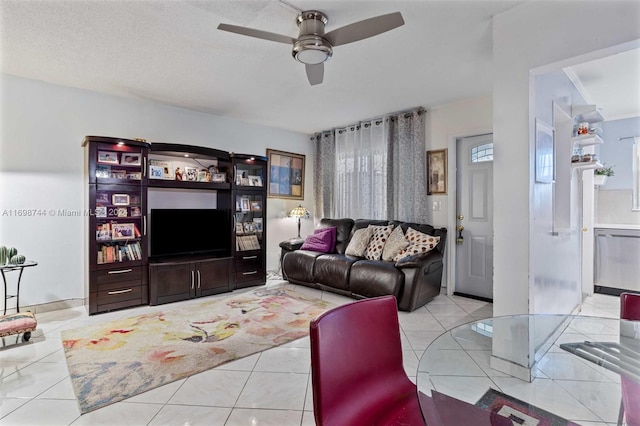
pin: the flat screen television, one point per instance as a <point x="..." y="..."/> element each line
<point x="178" y="232"/>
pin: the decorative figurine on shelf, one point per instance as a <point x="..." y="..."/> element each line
<point x="178" y="173"/>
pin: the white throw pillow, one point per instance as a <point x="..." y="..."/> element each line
<point x="359" y="242"/>
<point x="377" y="241"/>
<point x="418" y="243"/>
<point x="395" y="243"/>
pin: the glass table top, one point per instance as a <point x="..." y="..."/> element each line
<point x="533" y="367"/>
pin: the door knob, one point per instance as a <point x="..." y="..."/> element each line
<point x="460" y="217"/>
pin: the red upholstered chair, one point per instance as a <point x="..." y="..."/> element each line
<point x="356" y="367"/>
<point x="630" y="407"/>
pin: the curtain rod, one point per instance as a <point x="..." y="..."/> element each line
<point x="628" y="137"/>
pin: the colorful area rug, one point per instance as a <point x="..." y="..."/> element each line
<point x="519" y="412"/>
<point x="113" y="361"/>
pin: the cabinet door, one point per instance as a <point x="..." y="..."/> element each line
<point x="118" y="226"/>
<point x="213" y="276"/>
<point x="171" y="282"/>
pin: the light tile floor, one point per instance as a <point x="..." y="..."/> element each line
<point x="269" y="388"/>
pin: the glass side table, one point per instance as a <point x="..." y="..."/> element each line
<point x="9" y="268"/>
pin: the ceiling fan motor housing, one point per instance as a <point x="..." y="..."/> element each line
<point x="311" y="47"/>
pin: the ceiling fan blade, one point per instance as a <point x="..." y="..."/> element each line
<point x="257" y="33"/>
<point x="364" y="29"/>
<point x="315" y="73"/>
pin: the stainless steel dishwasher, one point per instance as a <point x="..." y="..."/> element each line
<point x="617" y="265"/>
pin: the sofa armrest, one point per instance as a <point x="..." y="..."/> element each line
<point x="427" y="261"/>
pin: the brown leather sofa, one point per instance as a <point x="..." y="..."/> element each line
<point x="413" y="280"/>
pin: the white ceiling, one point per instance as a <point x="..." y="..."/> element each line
<point x="170" y="51"/>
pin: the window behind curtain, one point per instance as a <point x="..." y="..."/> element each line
<point x="360" y="187"/>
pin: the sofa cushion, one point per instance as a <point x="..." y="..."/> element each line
<point x="359" y="242"/>
<point x="372" y="278"/>
<point x="299" y="265"/>
<point x="377" y="241"/>
<point x="343" y="231"/>
<point x="395" y="243"/>
<point x="332" y="270"/>
<point x="322" y="240"/>
<point x="418" y="243"/>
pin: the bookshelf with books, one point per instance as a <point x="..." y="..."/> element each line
<point x="249" y="236"/>
<point x="116" y="270"/>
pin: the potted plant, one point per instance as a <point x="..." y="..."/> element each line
<point x="602" y="173"/>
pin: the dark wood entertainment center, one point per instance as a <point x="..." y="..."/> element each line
<point x="127" y="180"/>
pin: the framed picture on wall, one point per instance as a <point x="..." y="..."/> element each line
<point x="285" y="175"/>
<point x="544" y="153"/>
<point x="437" y="172"/>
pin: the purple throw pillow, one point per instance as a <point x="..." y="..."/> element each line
<point x="322" y="240"/>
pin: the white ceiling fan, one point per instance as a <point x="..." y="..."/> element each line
<point x="313" y="47"/>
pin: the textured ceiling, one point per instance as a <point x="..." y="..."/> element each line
<point x="169" y="51"/>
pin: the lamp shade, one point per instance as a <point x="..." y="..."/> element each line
<point x="299" y="212"/>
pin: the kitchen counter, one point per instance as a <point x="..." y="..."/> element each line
<point x="616" y="226"/>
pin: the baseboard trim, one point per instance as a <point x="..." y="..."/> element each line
<point x="471" y="296"/>
<point x="49" y="306"/>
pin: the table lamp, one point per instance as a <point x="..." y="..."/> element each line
<point x="299" y="212"/>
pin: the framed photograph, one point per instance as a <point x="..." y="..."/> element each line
<point x="107" y="157"/>
<point x="103" y="232"/>
<point x="122" y="231"/>
<point x="155" y="172"/>
<point x="103" y="171"/>
<point x="131" y="159"/>
<point x="544" y="153"/>
<point x="136" y="212"/>
<point x="122" y="212"/>
<point x="255" y="180"/>
<point x="257" y="223"/>
<point x="437" y="172"/>
<point x="120" y="199"/>
<point x="244" y="204"/>
<point x="102" y="198"/>
<point x="204" y="176"/>
<point x="118" y="174"/>
<point x="239" y="229"/>
<point x="249" y="228"/>
<point x="101" y="211"/>
<point x="134" y="199"/>
<point x="219" y="177"/>
<point x="285" y="177"/>
<point x="191" y="174"/>
<point x="134" y="176"/>
<point x="160" y="169"/>
<point x="256" y="206"/>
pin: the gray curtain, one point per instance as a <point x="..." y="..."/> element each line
<point x="403" y="180"/>
<point x="407" y="180"/>
<point x="323" y="173"/>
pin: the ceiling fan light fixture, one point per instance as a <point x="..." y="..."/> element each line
<point x="312" y="50"/>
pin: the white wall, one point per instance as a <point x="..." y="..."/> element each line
<point x="41" y="168"/>
<point x="533" y="35"/>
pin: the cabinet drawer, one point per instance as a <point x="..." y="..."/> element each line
<point x="256" y="274"/>
<point x="106" y="297"/>
<point x="248" y="262"/>
<point x="119" y="274"/>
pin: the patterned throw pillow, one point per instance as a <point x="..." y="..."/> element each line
<point x="418" y="243"/>
<point x="394" y="244"/>
<point x="377" y="241"/>
<point x="359" y="242"/>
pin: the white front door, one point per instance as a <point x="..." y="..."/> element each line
<point x="474" y="202"/>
